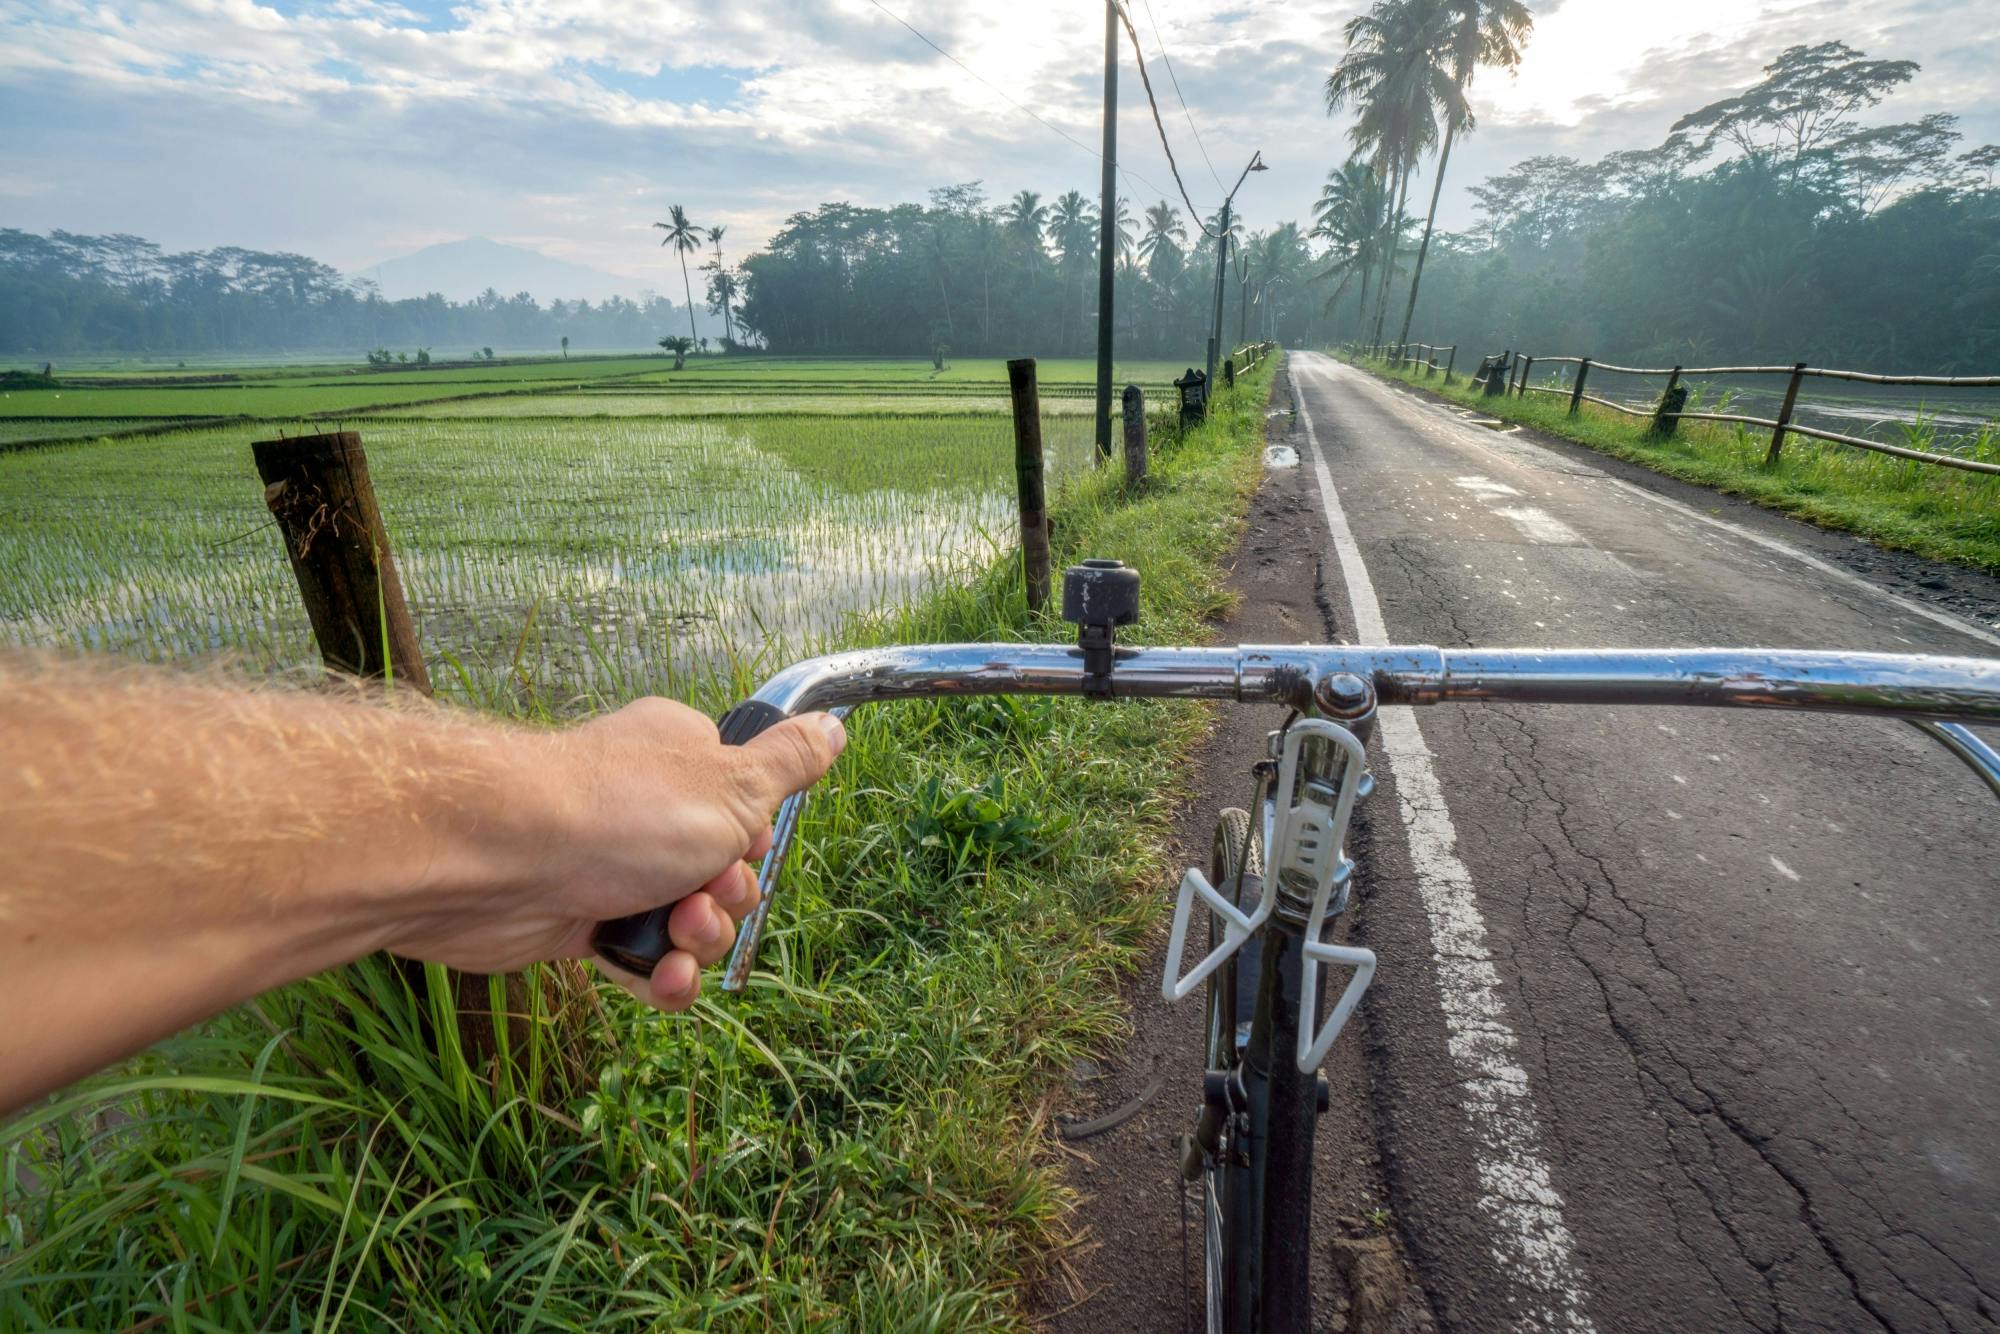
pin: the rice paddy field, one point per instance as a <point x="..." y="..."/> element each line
<point x="855" y="1144"/>
<point x="568" y="532"/>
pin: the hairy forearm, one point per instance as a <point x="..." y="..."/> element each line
<point x="175" y="846"/>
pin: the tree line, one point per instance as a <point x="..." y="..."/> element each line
<point x="1772" y="224"/>
<point x="1019" y="277"/>
<point x="67" y="294"/>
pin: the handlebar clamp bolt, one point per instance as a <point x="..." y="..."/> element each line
<point x="1343" y="695"/>
<point x="1099" y="596"/>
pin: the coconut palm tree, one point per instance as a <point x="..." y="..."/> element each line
<point x="685" y="238"/>
<point x="1165" y="233"/>
<point x="723" y="283"/>
<point x="1351" y="216"/>
<point x="1026" y="216"/>
<point x="1396" y="74"/>
<point x="1072" y="230"/>
<point x="1486" y="32"/>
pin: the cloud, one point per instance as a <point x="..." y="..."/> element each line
<point x="357" y="129"/>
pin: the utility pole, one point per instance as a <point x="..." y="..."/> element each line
<point x="1107" y="230"/>
<point x="1222" y="258"/>
<point x="1221" y="270"/>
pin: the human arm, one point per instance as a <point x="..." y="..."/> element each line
<point x="175" y="846"/>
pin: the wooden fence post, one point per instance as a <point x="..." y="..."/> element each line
<point x="1135" y="434"/>
<point x="1576" y="390"/>
<point x="1667" y="416"/>
<point x="1521" y="386"/>
<point x="1450" y="361"/>
<point x="317" y="488"/>
<point x="1028" y="480"/>
<point x="1785" y="413"/>
<point x="1229" y="372"/>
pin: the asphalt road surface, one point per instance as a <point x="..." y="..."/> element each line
<point x="1684" y="1020"/>
<point x="1687" y="1018"/>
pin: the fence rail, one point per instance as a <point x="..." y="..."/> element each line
<point x="1401" y="355"/>
<point x="1668" y="411"/>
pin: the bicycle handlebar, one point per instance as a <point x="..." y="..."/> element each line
<point x="1939" y="694"/>
<point x="1938" y="689"/>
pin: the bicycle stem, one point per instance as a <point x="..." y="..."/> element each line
<point x="1938" y="694"/>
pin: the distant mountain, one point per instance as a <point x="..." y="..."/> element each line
<point x="461" y="270"/>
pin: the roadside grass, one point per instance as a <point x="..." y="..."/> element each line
<point x="856" y="1144"/>
<point x="1937" y="512"/>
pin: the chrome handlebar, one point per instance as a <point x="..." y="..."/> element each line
<point x="1938" y="694"/>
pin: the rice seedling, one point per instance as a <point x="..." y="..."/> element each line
<point x="850" y="1146"/>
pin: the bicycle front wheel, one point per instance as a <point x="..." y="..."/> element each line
<point x="1236" y="860"/>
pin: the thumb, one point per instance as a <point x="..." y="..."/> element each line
<point x="789" y="757"/>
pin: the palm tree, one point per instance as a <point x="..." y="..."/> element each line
<point x="1026" y="215"/>
<point x="685" y="238"/>
<point x="1072" y="230"/>
<point x="1123" y="227"/>
<point x="1395" y="73"/>
<point x="1351" y="216"/>
<point x="1163" y="235"/>
<point x="724" y="285"/>
<point x="1487" y="32"/>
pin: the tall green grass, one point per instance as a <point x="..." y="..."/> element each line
<point x="856" y="1144"/>
<point x="1938" y="512"/>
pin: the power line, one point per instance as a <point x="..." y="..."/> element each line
<point x="1048" y="125"/>
<point x="1152" y="102"/>
<point x="1161" y="41"/>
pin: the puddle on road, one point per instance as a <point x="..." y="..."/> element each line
<point x="1280" y="456"/>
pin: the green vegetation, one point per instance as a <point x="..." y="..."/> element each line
<point x="105" y="404"/>
<point x="1942" y="513"/>
<point x="855" y="1143"/>
<point x="1770" y="226"/>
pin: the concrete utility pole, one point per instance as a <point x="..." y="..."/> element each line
<point x="1222" y="256"/>
<point x="1107" y="230"/>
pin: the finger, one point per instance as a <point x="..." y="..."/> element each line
<point x="734" y="891"/>
<point x="701" y="928"/>
<point x="788" y="758"/>
<point x="675" y="983"/>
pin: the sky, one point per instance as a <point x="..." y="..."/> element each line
<point x="359" y="130"/>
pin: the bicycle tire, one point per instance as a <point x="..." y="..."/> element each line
<point x="1236" y="859"/>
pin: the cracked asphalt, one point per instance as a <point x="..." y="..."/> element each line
<point x="1751" y="961"/>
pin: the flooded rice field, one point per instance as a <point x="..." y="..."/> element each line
<point x="551" y="564"/>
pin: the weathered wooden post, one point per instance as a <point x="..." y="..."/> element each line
<point x="1576" y="390"/>
<point x="318" y="489"/>
<point x="1667" y="416"/>
<point x="1028" y="480"/>
<point x="1450" y="361"/>
<point x="1229" y="372"/>
<point x="1521" y="384"/>
<point x="1135" y="434"/>
<point x="1785" y="413"/>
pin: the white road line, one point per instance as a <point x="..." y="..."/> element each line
<point x="1531" y="1243"/>
<point x="1771" y="544"/>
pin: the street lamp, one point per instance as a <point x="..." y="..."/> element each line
<point x="1222" y="260"/>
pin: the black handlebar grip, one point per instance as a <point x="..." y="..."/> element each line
<point x="638" y="943"/>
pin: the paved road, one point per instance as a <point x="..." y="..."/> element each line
<point x="1685" y="1020"/>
